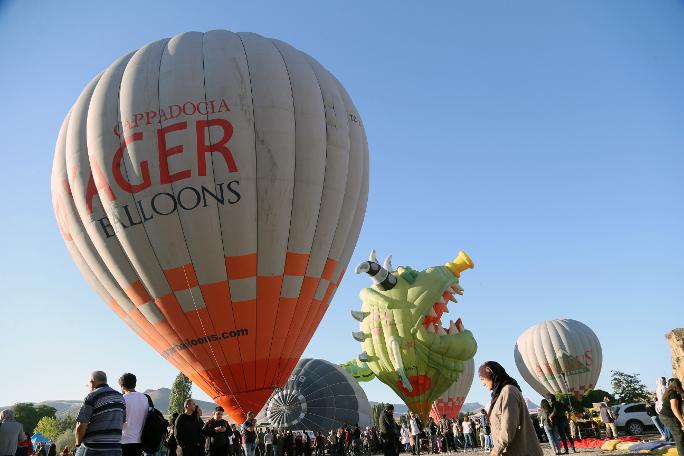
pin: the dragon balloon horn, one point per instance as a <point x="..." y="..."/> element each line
<point x="404" y="341"/>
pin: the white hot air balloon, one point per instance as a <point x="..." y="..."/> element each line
<point x="211" y="188"/>
<point x="452" y="400"/>
<point x="559" y="356"/>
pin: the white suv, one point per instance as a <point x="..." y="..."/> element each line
<point x="632" y="418"/>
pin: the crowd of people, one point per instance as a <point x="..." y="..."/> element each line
<point x="559" y="423"/>
<point x="112" y="423"/>
<point x="506" y="428"/>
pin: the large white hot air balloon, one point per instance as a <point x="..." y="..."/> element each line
<point x="211" y="188"/>
<point x="559" y="356"/>
<point x="451" y="401"/>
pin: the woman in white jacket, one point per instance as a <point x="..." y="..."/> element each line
<point x="405" y="438"/>
<point x="512" y="429"/>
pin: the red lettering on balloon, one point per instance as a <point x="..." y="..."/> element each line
<point x="60" y="215"/>
<point x="165" y="153"/>
<point x="219" y="146"/>
<point x="116" y="167"/>
<point x="96" y="184"/>
<point x="199" y="108"/>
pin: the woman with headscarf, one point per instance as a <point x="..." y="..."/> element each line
<point x="671" y="413"/>
<point x="512" y="429"/>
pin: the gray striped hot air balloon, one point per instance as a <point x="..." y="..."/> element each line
<point x="319" y="396"/>
<point x="559" y="356"/>
<point x="211" y="188"/>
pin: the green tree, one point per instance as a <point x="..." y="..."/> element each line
<point x="48" y="426"/>
<point x="66" y="440"/>
<point x="594" y="396"/>
<point x="180" y="391"/>
<point x="66" y="423"/>
<point x="569" y="400"/>
<point x="628" y="387"/>
<point x="377" y="410"/>
<point x="29" y="414"/>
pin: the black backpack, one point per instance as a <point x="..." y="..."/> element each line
<point x="154" y="429"/>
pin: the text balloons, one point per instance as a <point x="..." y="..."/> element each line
<point x="211" y="188"/>
<point x="559" y="356"/>
<point x="319" y="396"/>
<point x="451" y="401"/>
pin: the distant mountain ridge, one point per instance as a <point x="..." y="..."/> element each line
<point x="160" y="398"/>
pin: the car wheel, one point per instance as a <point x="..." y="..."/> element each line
<point x="634" y="428"/>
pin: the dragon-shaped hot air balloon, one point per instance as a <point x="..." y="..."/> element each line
<point x="404" y="342"/>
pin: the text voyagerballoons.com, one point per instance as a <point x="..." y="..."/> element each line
<point x="559" y="356"/>
<point x="211" y="188"/>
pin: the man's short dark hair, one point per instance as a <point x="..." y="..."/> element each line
<point x="389" y="407"/>
<point x="219" y="409"/>
<point x="128" y="381"/>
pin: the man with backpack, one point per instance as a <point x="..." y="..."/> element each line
<point x="136" y="412"/>
<point x="144" y="427"/>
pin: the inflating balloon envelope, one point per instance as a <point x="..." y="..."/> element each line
<point x="451" y="401"/>
<point x="319" y="396"/>
<point x="211" y="188"/>
<point x="559" y="356"/>
<point x="405" y="344"/>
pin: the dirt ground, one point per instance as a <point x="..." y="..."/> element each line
<point x="549" y="452"/>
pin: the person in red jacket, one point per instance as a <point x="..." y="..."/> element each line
<point x="25" y="446"/>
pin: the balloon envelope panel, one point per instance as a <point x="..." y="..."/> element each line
<point x="211" y="187"/>
<point x="319" y="396"/>
<point x="451" y="401"/>
<point x="559" y="356"/>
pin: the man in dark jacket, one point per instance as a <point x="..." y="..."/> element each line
<point x="237" y="441"/>
<point x="216" y="430"/>
<point x="188" y="431"/>
<point x="388" y="430"/>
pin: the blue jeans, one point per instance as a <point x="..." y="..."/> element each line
<point x="249" y="448"/>
<point x="554" y="441"/>
<point x="489" y="442"/>
<point x="468" y="439"/>
<point x="674" y="425"/>
<point x="664" y="431"/>
<point x="83" y="451"/>
<point x="562" y="429"/>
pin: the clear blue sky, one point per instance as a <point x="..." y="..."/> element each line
<point x="544" y="138"/>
